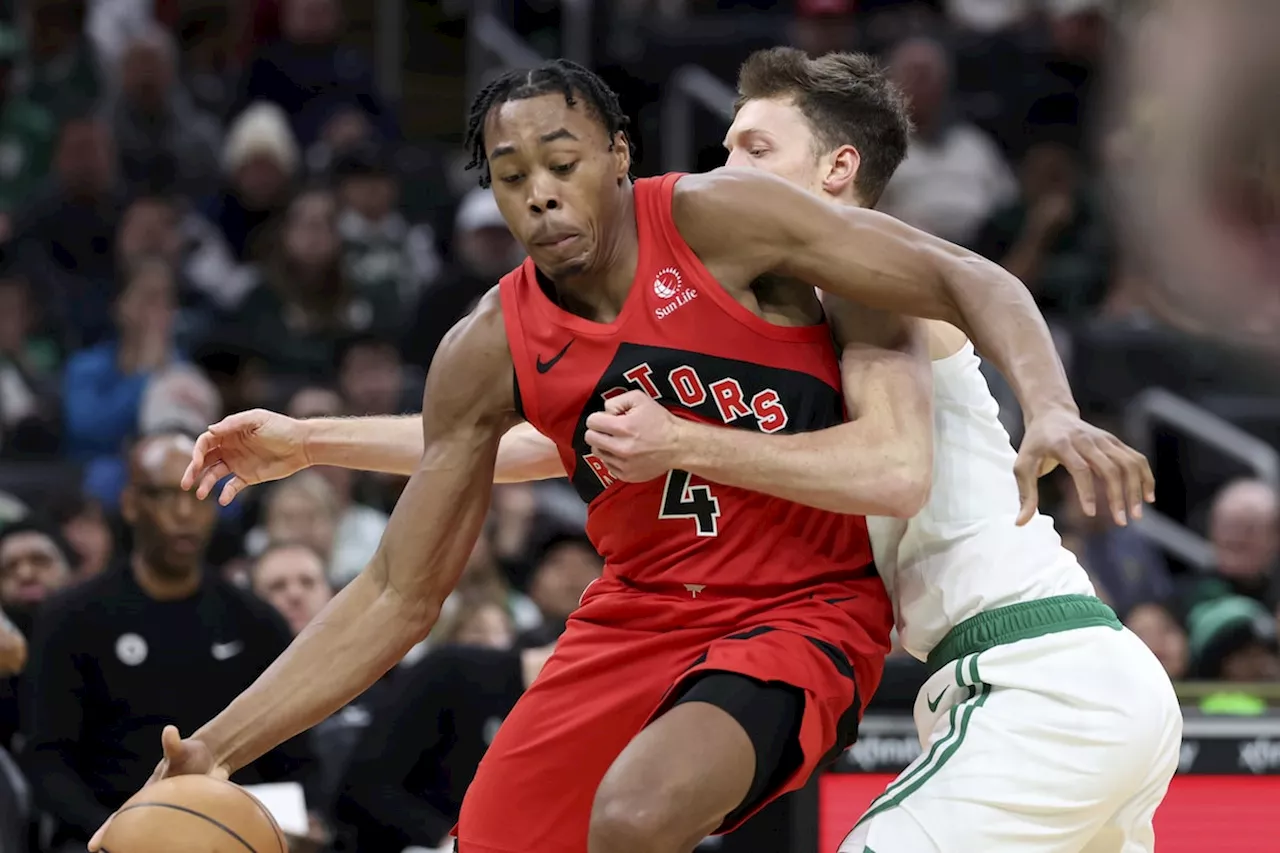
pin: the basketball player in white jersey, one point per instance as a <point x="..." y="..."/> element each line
<point x="1046" y="726"/>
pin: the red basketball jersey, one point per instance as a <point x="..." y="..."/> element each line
<point x="691" y="346"/>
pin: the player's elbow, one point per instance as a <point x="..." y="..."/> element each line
<point x="908" y="481"/>
<point x="410" y="609"/>
<point x="910" y="492"/>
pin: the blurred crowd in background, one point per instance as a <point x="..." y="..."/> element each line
<point x="208" y="206"/>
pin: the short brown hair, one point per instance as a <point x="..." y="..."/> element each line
<point x="847" y="100"/>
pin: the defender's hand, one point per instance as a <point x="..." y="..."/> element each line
<point x="1088" y="453"/>
<point x="252" y="447"/>
<point x="13" y="648"/>
<point x="634" y="436"/>
<point x="181" y="758"/>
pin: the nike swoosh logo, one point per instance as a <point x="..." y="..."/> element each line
<point x="224" y="651"/>
<point x="933" y="703"/>
<point x="544" y="366"/>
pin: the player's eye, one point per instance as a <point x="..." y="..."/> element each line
<point x="511" y="179"/>
<point x="564" y="168"/>
<point x="757" y="152"/>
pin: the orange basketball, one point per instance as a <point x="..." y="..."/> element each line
<point x="193" y="814"/>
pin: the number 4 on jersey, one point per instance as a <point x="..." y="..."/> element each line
<point x="682" y="500"/>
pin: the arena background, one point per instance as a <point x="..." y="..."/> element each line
<point x="214" y="205"/>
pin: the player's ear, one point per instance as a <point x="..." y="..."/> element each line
<point x="842" y="170"/>
<point x="621" y="156"/>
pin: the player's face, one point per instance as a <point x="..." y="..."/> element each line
<point x="556" y="180"/>
<point x="772" y="134"/>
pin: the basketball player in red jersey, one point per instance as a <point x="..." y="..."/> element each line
<point x="735" y="636"/>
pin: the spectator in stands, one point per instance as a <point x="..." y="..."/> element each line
<point x="1156" y="626"/>
<point x="30" y="422"/>
<point x="408" y="773"/>
<point x="954" y="175"/>
<point x="300" y="508"/>
<point x="315" y="401"/>
<point x="83" y="524"/>
<point x="1233" y="638"/>
<point x="309" y="70"/>
<point x="103" y="386"/>
<point x="260" y="160"/>
<point x="237" y="370"/>
<point x="371" y="377"/>
<point x="63" y="238"/>
<point x="210" y="66"/>
<point x="483" y="252"/>
<point x="1053" y="236"/>
<point x="1244" y="528"/>
<point x="157" y="640"/>
<point x="483" y="580"/>
<point x="160" y="223"/>
<point x="382" y="251"/>
<point x="34" y="565"/>
<point x="292" y="578"/>
<point x="64" y="67"/>
<point x="476" y="619"/>
<point x="154" y="117"/>
<point x="564" y="568"/>
<point x="303" y="303"/>
<point x="27" y="132"/>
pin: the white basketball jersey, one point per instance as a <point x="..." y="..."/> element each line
<point x="963" y="554"/>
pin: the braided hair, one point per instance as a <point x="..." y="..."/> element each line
<point x="558" y="75"/>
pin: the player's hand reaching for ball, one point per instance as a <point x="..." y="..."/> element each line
<point x="635" y="437"/>
<point x="182" y="757"/>
<point x="251" y="447"/>
<point x="1098" y="462"/>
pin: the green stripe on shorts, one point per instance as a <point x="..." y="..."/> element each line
<point x="944" y="747"/>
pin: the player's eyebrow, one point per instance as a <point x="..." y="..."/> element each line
<point x="552" y="136"/>
<point x="745" y="135"/>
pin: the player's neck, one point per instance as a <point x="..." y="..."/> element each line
<point x="599" y="291"/>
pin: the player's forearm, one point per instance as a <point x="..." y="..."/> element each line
<point x="393" y="445"/>
<point x="859" y="468"/>
<point x="998" y="314"/>
<point x="526" y="454"/>
<point x="360" y="635"/>
<point x="390" y="445"/>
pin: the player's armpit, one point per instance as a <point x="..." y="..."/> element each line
<point x="469" y="403"/>
<point x="743" y="223"/>
<point x="526" y="454"/>
<point x="879" y="463"/>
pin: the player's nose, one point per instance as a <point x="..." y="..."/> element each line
<point x="544" y="194"/>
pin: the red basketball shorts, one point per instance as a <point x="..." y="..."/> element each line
<point x="624" y="658"/>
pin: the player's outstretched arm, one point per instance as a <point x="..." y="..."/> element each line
<point x="393" y="445"/>
<point x="469" y="404"/>
<point x="880" y="463"/>
<point x="257" y="446"/>
<point x="743" y="223"/>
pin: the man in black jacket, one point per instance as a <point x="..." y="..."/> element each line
<point x="408" y="773"/>
<point x="154" y="641"/>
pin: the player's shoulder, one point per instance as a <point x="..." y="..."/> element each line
<point x="719" y="186"/>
